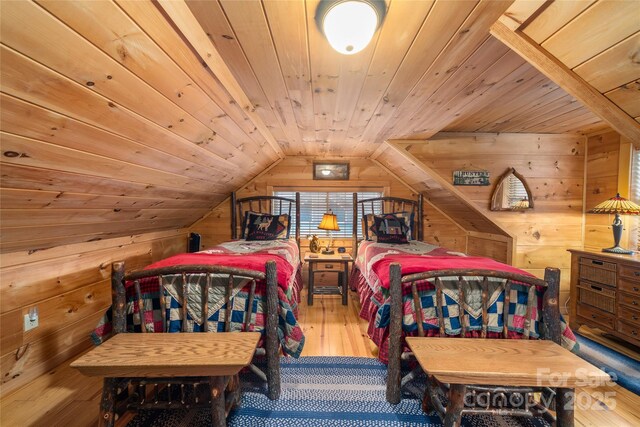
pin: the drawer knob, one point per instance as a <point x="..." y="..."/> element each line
<point x="636" y="273"/>
<point x="634" y="317"/>
<point x="636" y="289"/>
<point x="634" y="302"/>
<point x="634" y="332"/>
<point x="593" y="316"/>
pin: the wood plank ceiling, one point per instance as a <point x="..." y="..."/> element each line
<point x="433" y="66"/>
<point x="606" y="56"/>
<point x="119" y="117"/>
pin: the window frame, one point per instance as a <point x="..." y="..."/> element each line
<point x="312" y="229"/>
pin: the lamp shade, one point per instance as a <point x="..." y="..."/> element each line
<point x="617" y="205"/>
<point x="349" y="25"/>
<point x="329" y="222"/>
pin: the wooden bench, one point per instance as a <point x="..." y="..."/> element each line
<point x="218" y="356"/>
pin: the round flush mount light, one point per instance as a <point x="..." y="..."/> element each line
<point x="349" y="25"/>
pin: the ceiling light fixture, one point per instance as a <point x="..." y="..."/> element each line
<point x="349" y="25"/>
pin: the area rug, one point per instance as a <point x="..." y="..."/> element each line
<point x="624" y="370"/>
<point x="323" y="391"/>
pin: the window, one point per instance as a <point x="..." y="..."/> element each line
<point x="314" y="204"/>
<point x="634" y="234"/>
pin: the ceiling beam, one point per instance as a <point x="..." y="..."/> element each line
<point x="183" y="19"/>
<point x="522" y="11"/>
<point x="564" y="77"/>
<point x="394" y="148"/>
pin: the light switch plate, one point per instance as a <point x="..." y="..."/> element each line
<point x="29" y="323"/>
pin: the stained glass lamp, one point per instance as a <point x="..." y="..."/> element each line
<point x="619" y="206"/>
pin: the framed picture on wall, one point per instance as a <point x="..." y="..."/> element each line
<point x="331" y="171"/>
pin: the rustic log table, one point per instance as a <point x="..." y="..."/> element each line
<point x="219" y="356"/>
<point x="503" y="362"/>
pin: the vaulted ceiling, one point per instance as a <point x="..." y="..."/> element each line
<point x="121" y="117"/>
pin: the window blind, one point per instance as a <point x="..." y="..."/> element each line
<point x="315" y="204"/>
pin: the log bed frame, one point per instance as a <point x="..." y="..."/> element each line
<point x="271" y="352"/>
<point x="550" y="330"/>
<point x="133" y="393"/>
<point x="395" y="381"/>
<point x="274" y="205"/>
<point x="380" y="205"/>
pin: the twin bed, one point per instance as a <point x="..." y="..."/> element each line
<point x="423" y="297"/>
<point x="239" y="266"/>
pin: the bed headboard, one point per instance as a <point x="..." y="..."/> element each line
<point x="382" y="205"/>
<point x="274" y="205"/>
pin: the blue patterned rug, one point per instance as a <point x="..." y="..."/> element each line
<point x="323" y="391"/>
<point x="624" y="370"/>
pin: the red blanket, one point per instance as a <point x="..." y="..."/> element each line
<point x="417" y="264"/>
<point x="255" y="262"/>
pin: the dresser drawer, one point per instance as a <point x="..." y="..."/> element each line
<point x="593" y="315"/>
<point x="628" y="315"/>
<point x="630" y="287"/>
<point x="598" y="271"/>
<point x="629" y="300"/>
<point x="597" y="296"/>
<point x="328" y="265"/>
<point x="629" y="271"/>
<point x="629" y="330"/>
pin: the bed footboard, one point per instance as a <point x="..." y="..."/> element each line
<point x="271" y="350"/>
<point x="551" y="319"/>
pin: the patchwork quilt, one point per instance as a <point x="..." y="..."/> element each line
<point x="371" y="278"/>
<point x="239" y="254"/>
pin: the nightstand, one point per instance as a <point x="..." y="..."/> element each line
<point x="336" y="263"/>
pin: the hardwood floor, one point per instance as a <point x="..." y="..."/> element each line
<point x="63" y="397"/>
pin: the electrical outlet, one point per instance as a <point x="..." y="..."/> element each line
<point x="31" y="320"/>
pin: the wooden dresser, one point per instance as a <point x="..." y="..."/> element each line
<point x="605" y="293"/>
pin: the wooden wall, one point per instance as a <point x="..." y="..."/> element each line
<point x="608" y="172"/>
<point x="296" y="173"/>
<point x="71" y="287"/>
<point x="134" y="135"/>
<point x="553" y="166"/>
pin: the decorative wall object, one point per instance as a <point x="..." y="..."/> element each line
<point x="511" y="193"/>
<point x="464" y="177"/>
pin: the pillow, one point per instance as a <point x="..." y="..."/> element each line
<point x="370" y="229"/>
<point x="390" y="229"/>
<point x="408" y="221"/>
<point x="245" y="223"/>
<point x="266" y="227"/>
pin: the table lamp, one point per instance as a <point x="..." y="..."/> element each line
<point x="617" y="205"/>
<point x="329" y="222"/>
